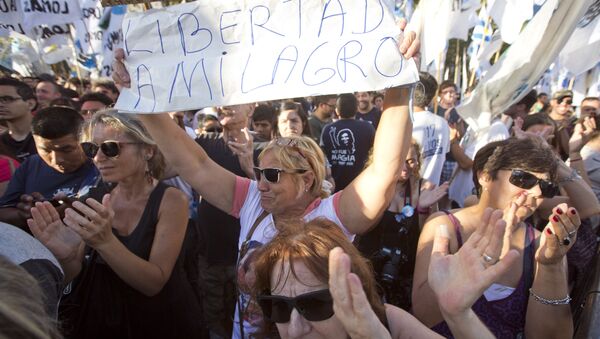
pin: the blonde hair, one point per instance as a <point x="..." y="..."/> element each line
<point x="300" y="152"/>
<point x="133" y="128"/>
<point x="22" y="311"/>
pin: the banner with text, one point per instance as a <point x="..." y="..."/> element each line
<point x="213" y="53"/>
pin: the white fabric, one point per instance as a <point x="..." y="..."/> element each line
<point x="433" y="134"/>
<point x="591" y="161"/>
<point x="265" y="231"/>
<point x="581" y="52"/>
<point x="462" y="185"/>
<point x="498" y="292"/>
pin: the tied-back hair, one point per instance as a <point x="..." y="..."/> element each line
<point x="310" y="243"/>
<point x="22" y="310"/>
<point x="528" y="154"/>
<point x="131" y="127"/>
<point x="300" y="153"/>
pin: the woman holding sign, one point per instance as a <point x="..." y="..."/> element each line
<point x="288" y="183"/>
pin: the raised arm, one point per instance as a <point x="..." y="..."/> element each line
<point x="190" y="161"/>
<point x="368" y="195"/>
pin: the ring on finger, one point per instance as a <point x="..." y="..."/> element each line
<point x="489" y="260"/>
<point x="572" y="233"/>
<point x="566" y="241"/>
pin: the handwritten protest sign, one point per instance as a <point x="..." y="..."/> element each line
<point x="212" y="53"/>
<point x="49" y="12"/>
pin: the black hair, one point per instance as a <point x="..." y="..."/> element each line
<point x="448" y="83"/>
<point x="23" y="90"/>
<point x="542" y="94"/>
<point x="322" y="99"/>
<point x="56" y="122"/>
<point x="108" y="84"/>
<point x="96" y="96"/>
<point x="264" y="112"/>
<point x="425" y="90"/>
<point x="528" y="100"/>
<point x="346" y="105"/>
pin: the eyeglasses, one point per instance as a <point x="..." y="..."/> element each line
<point x="110" y="148"/>
<point x="272" y="175"/>
<point x="527" y="180"/>
<point x="8" y="99"/>
<point x="565" y="101"/>
<point x="313" y="306"/>
<point x="88" y="111"/>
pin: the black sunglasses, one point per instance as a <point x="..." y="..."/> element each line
<point x="110" y="148"/>
<point x="272" y="175"/>
<point x="313" y="306"/>
<point x="527" y="180"/>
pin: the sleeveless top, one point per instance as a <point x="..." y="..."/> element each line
<point x="393" y="232"/>
<point x="505" y="317"/>
<point x="104" y="306"/>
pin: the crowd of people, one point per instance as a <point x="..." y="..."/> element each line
<point x="328" y="216"/>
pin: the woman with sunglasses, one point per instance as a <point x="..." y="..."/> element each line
<point x="532" y="297"/>
<point x="131" y="282"/>
<point x="304" y="299"/>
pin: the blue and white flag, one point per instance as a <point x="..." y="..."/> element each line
<point x="582" y="52"/>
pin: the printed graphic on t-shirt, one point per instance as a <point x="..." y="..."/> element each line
<point x="344" y="148"/>
<point x="431" y="144"/>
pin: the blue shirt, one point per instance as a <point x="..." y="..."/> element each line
<point x="34" y="175"/>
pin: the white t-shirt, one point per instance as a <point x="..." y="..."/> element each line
<point x="462" y="185"/>
<point x="591" y="161"/>
<point x="433" y="134"/>
<point x="247" y="207"/>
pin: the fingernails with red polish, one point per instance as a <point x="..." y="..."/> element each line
<point x="555" y="218"/>
<point x="548" y="231"/>
<point x="573" y="211"/>
<point x="559" y="211"/>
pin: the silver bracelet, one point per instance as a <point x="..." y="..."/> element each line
<point x="564" y="301"/>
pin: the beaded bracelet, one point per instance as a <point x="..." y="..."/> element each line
<point x="564" y="301"/>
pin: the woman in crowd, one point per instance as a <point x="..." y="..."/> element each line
<point x="299" y="295"/>
<point x="392" y="244"/>
<point x="292" y="120"/>
<point x="133" y="284"/>
<point x="531" y="298"/>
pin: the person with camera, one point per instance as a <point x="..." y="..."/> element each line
<point x="124" y="247"/>
<point x="392" y="244"/>
<point x="59" y="170"/>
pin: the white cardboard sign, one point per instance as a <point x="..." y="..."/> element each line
<point x="214" y="53"/>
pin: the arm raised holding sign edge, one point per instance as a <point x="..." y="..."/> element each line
<point x="217" y="185"/>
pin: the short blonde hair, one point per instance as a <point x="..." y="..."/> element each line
<point x="133" y="128"/>
<point x="300" y="153"/>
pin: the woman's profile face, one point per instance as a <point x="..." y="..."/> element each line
<point x="302" y="282"/>
<point x="410" y="165"/>
<point x="289" y="123"/>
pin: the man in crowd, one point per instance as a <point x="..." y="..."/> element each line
<point x="60" y="169"/>
<point x="541" y="101"/>
<point x="590" y="106"/>
<point x="46" y="91"/>
<point x="366" y="110"/>
<point x="106" y="87"/>
<point x="448" y="95"/>
<point x="429" y="130"/>
<point x="346" y="142"/>
<point x="562" y="115"/>
<point x="92" y="103"/>
<point x="17" y="101"/>
<point x="322" y="115"/>
<point x="263" y="122"/>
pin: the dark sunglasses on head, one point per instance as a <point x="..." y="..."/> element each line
<point x="313" y="306"/>
<point x="110" y="148"/>
<point x="272" y="175"/>
<point x="527" y="181"/>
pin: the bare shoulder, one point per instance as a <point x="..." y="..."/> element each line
<point x="174" y="199"/>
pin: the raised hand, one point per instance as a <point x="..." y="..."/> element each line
<point x="512" y="217"/>
<point x="428" y="197"/>
<point x="582" y="134"/>
<point x="459" y="279"/>
<point x="558" y="236"/>
<point x="120" y="74"/>
<point x="93" y="223"/>
<point x="47" y="227"/>
<point x="350" y="302"/>
<point x="410" y="45"/>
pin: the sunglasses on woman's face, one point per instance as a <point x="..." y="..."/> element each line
<point x="313" y="306"/>
<point x="527" y="181"/>
<point x="272" y="175"/>
<point x="110" y="148"/>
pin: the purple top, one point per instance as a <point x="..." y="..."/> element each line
<point x="505" y="317"/>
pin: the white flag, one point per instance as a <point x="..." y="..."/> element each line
<point x="510" y="15"/>
<point x="582" y="52"/>
<point x="56" y="12"/>
<point x="520" y="68"/>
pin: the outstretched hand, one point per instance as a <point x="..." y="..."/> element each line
<point x="558" y="236"/>
<point x="49" y="229"/>
<point x="350" y="302"/>
<point x="410" y="44"/>
<point x="459" y="279"/>
<point x="428" y="197"/>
